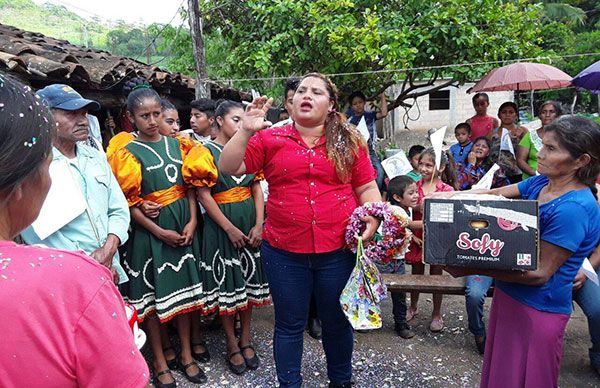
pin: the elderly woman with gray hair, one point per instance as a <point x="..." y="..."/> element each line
<point x="530" y="309"/>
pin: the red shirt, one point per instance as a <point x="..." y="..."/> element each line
<point x="309" y="207"/>
<point x="63" y="322"/>
<point x="415" y="252"/>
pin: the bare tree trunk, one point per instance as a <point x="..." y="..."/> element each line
<point x="195" y="19"/>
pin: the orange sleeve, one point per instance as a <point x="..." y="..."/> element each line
<point x="199" y="168"/>
<point x="186" y="145"/>
<point x="120" y="140"/>
<point x="128" y="171"/>
<point x="259" y="176"/>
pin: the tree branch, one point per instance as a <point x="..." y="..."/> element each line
<point x="407" y="93"/>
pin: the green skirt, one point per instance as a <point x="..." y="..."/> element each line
<point x="162" y="279"/>
<point x="233" y="279"/>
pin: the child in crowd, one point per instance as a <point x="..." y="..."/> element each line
<point x="234" y="280"/>
<point x="433" y="180"/>
<point x="163" y="252"/>
<point x="355" y="113"/>
<point x="461" y="150"/>
<point x="402" y="192"/>
<point x="482" y="124"/>
<point x="477" y="165"/>
<point x="413" y="158"/>
<point x="202" y="119"/>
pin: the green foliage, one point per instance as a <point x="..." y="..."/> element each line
<point x="283" y="37"/>
<point x="556" y="36"/>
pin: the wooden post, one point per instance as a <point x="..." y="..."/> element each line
<point x="195" y="19"/>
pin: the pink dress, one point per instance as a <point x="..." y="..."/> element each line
<point x="481" y="126"/>
<point x="63" y="322"/>
<point x="415" y="252"/>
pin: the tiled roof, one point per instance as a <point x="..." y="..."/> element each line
<point x="44" y="60"/>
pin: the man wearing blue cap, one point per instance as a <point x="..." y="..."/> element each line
<point x="102" y="226"/>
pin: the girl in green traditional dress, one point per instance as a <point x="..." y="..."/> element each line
<point x="234" y="279"/>
<point x="163" y="252"/>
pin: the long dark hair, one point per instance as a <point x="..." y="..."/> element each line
<point x="343" y="139"/>
<point x="447" y="161"/>
<point x="579" y="136"/>
<point x="26" y="132"/>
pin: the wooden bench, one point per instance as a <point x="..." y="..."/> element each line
<point x="443" y="284"/>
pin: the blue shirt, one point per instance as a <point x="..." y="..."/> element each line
<point x="572" y="222"/>
<point x="107" y="208"/>
<point x="370" y="119"/>
<point x="460" y="153"/>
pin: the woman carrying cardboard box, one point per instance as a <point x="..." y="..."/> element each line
<point x="530" y="309"/>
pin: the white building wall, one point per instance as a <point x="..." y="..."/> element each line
<point x="461" y="108"/>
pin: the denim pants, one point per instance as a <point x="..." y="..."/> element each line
<point x="588" y="298"/>
<point x="376" y="162"/>
<point x="398" y="298"/>
<point x="477" y="287"/>
<point x="293" y="278"/>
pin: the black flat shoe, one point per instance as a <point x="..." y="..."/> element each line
<point x="238" y="369"/>
<point x="158" y="384"/>
<point x="204" y="356"/>
<point x="314" y="328"/>
<point x="480" y="344"/>
<point x="198" y="378"/>
<point x="172" y="363"/>
<point x="252" y="362"/>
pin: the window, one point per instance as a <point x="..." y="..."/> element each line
<point x="439" y="100"/>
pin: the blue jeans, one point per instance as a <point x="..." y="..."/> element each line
<point x="376" y="162"/>
<point x="477" y="288"/>
<point x="588" y="298"/>
<point x="398" y="298"/>
<point x="293" y="278"/>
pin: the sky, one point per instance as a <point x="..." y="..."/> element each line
<point x="132" y="11"/>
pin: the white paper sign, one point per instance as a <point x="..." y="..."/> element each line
<point x="363" y="129"/>
<point x="485" y="183"/>
<point x="506" y="142"/>
<point x="589" y="271"/>
<point x="396" y="165"/>
<point x="437" y="142"/>
<point x="63" y="203"/>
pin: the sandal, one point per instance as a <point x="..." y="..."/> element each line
<point x="201" y="356"/>
<point x="172" y="363"/>
<point x="436" y="325"/>
<point x="252" y="362"/>
<point x="238" y="369"/>
<point x="237" y="325"/>
<point x="410" y="314"/>
<point x="158" y="384"/>
<point x="198" y="378"/>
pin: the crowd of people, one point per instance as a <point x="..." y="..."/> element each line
<point x="236" y="213"/>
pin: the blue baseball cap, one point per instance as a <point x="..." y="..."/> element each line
<point x="59" y="96"/>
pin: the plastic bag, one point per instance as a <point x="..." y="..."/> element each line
<point x="363" y="293"/>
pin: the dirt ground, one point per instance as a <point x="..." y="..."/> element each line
<point x="382" y="359"/>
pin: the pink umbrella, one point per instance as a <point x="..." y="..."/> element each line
<point x="522" y="76"/>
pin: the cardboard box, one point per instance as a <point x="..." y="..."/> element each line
<point x="481" y="232"/>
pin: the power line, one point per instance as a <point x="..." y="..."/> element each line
<point x="404" y="70"/>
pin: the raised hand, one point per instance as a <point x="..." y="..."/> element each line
<point x="254" y="116"/>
